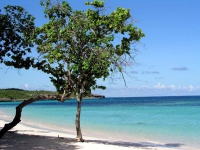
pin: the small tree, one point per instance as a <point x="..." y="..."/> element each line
<point x="78" y="47"/>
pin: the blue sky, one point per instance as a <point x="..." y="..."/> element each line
<point x="169" y="55"/>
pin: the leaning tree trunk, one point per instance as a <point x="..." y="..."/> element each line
<point x="19" y="108"/>
<point x="79" y="137"/>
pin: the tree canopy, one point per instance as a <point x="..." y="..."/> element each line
<point x="81" y="44"/>
<point x="15" y="26"/>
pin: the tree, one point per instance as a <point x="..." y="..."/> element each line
<point x="15" y="27"/>
<point x="78" y="47"/>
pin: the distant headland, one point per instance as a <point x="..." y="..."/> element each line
<point x="15" y="94"/>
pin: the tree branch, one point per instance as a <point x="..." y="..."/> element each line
<point x="19" y="108"/>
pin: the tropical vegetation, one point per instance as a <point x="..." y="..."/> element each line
<point x="75" y="47"/>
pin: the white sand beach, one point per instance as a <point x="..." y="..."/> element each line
<point x="24" y="137"/>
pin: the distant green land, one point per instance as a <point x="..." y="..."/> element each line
<point x="15" y="94"/>
<point x="12" y="94"/>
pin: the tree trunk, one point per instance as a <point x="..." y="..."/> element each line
<point x="10" y="125"/>
<point x="77" y="122"/>
<point x="19" y="108"/>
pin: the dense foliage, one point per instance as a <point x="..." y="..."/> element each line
<point x="77" y="47"/>
<point x="15" y="26"/>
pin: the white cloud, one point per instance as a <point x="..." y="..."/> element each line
<point x="191" y="87"/>
<point x="156" y="90"/>
<point x="159" y="86"/>
<point x="173" y="87"/>
<point x="177" y="88"/>
<point x="25" y="86"/>
<point x="46" y="87"/>
<point x="144" y="87"/>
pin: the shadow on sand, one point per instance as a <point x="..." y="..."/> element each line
<point x="143" y="145"/>
<point x="13" y="141"/>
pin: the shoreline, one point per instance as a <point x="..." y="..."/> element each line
<point x="26" y="137"/>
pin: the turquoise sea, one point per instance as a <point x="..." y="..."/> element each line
<point x="172" y="120"/>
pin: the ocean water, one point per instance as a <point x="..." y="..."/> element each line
<point x="171" y="120"/>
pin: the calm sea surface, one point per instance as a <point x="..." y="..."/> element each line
<point x="161" y="119"/>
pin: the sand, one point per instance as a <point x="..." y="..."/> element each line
<point x="23" y="137"/>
